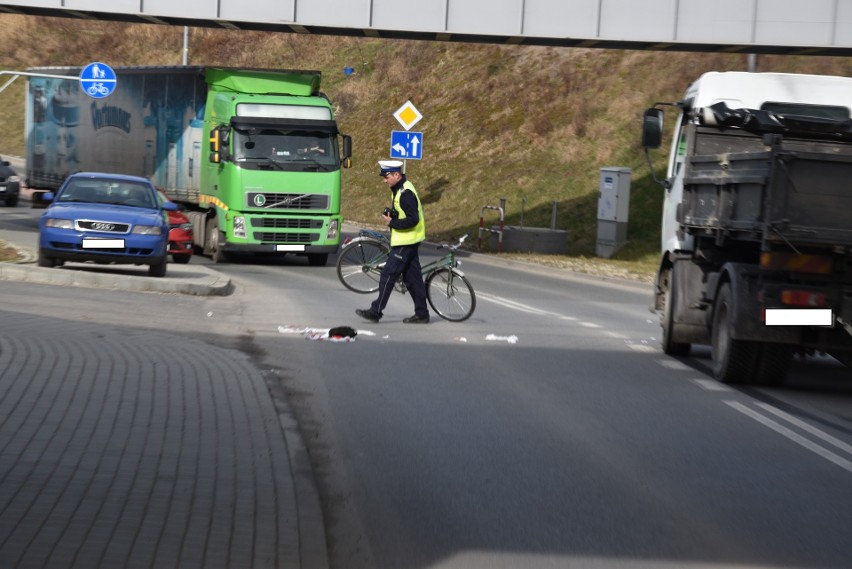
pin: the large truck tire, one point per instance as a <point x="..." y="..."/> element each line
<point x="213" y="244"/>
<point x="772" y="364"/>
<point x="318" y="259"/>
<point x="734" y="361"/>
<point x="669" y="346"/>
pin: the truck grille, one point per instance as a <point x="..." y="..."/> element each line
<point x="286" y="201"/>
<point x="278" y="223"/>
<point x="286" y="237"/>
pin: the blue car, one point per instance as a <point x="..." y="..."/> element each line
<point x="105" y="218"/>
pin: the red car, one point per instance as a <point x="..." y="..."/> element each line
<point x="180" y="234"/>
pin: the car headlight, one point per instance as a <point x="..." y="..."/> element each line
<point x="13" y="179"/>
<point x="147" y="230"/>
<point x="239" y="226"/>
<point x="59" y="223"/>
<point x="186" y="226"/>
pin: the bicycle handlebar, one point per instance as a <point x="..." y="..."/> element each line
<point x="457" y="245"/>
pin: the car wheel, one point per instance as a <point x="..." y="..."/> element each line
<point x="157" y="269"/>
<point x="12" y="201"/>
<point x="44" y="260"/>
<point x="181" y="259"/>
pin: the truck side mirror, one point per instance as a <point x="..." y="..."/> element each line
<point x="347" y="151"/>
<point x="652" y="128"/>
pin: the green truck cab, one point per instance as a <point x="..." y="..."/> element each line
<point x="254" y="155"/>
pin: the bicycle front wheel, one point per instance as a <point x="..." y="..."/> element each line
<point x="360" y="263"/>
<point x="450" y="295"/>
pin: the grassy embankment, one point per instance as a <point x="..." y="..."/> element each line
<point x="531" y="125"/>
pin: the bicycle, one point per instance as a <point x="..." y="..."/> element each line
<point x="448" y="291"/>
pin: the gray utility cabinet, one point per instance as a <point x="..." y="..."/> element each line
<point x="613" y="209"/>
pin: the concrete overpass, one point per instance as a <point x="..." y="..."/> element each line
<point x="811" y="27"/>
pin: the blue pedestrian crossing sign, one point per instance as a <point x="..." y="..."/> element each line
<point x="97" y="80"/>
<point x="406" y="145"/>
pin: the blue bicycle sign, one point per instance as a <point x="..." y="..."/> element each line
<point x="98" y="80"/>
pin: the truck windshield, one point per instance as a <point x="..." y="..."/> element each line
<point x="289" y="150"/>
<point x="818" y="111"/>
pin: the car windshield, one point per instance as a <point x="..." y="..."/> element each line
<point x="111" y="192"/>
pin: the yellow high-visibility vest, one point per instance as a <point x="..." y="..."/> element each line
<point x="414" y="234"/>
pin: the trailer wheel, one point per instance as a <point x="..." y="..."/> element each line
<point x="670" y="347"/>
<point x="733" y="360"/>
<point x="213" y="245"/>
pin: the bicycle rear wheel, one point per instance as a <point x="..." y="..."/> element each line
<point x="360" y="263"/>
<point x="450" y="295"/>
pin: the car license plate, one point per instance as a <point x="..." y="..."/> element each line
<point x="282" y="248"/>
<point x="103" y="243"/>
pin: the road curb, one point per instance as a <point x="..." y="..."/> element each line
<point x="189" y="280"/>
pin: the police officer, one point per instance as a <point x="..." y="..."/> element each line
<point x="408" y="229"/>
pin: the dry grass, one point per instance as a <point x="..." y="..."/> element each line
<point x="532" y="125"/>
<point x="8" y="254"/>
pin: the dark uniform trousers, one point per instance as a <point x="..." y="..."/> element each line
<point x="402" y="260"/>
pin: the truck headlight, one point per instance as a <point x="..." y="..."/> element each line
<point x="146" y="230"/>
<point x="332" y="230"/>
<point x="240" y="226"/>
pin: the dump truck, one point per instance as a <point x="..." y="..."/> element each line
<point x="756" y="255"/>
<point x="254" y="155"/>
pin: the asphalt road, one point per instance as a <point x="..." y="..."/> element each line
<point x="546" y="431"/>
<point x="549" y="430"/>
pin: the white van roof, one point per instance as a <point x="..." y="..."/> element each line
<point x="743" y="90"/>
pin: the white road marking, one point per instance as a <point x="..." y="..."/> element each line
<point x="514" y="305"/>
<point x="794" y="436"/>
<point x="674" y="364"/>
<point x="641" y="347"/>
<point x="808" y="428"/>
<point x="710" y="385"/>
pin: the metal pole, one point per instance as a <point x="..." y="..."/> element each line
<point x="185" y="44"/>
<point x="16" y="74"/>
<point x="752" y="62"/>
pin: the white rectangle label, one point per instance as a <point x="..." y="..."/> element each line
<point x="799" y="317"/>
<point x="284" y="248"/>
<point x="103" y="243"/>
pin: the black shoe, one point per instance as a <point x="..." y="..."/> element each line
<point x="416" y="319"/>
<point x="367" y="314"/>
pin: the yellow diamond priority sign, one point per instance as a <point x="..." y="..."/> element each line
<point x="407" y="115"/>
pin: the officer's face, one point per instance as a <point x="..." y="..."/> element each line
<point x="391" y="178"/>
